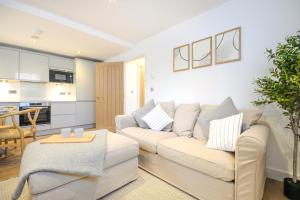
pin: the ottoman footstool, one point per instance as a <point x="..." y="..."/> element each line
<point x="120" y="168"/>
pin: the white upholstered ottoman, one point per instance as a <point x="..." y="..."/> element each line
<point x="120" y="168"/>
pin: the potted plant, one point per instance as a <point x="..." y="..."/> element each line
<point x="282" y="87"/>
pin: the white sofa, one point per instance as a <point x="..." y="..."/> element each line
<point x="186" y="163"/>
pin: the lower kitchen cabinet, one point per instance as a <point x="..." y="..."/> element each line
<point x="63" y="108"/>
<point x="62" y="121"/>
<point x="85" y="112"/>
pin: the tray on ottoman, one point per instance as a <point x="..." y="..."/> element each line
<point x="88" y="137"/>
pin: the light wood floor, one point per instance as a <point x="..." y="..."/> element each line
<point x="9" y="168"/>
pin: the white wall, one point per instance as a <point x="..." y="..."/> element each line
<point x="131" y="87"/>
<point x="132" y="84"/>
<point x="264" y="23"/>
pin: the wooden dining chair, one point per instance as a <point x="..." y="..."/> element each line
<point x="14" y="132"/>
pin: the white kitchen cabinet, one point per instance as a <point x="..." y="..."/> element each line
<point x="85" y="80"/>
<point x="62" y="121"/>
<point x="9" y="63"/>
<point x="34" y="67"/>
<point x="63" y="108"/>
<point x="63" y="114"/>
<point x="85" y="112"/>
<point x="61" y="63"/>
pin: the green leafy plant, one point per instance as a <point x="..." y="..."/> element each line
<point x="282" y="86"/>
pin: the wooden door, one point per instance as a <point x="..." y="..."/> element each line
<point x="109" y="94"/>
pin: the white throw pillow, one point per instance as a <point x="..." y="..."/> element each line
<point x="157" y="119"/>
<point x="223" y="133"/>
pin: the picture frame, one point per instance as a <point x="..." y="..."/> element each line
<point x="228" y="46"/>
<point x="181" y="58"/>
<point x="202" y="53"/>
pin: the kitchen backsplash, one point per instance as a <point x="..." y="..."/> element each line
<point x="9" y="91"/>
<point x="33" y="91"/>
<point x="61" y="92"/>
<point x="15" y="91"/>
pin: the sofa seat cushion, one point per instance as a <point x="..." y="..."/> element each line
<point x="119" y="149"/>
<point x="194" y="154"/>
<point x="147" y="138"/>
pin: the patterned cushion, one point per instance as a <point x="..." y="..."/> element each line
<point x="226" y="109"/>
<point x="157" y="118"/>
<point x="223" y="133"/>
<point x="141" y="112"/>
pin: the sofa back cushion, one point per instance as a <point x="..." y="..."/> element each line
<point x="185" y="118"/>
<point x="250" y="117"/>
<point x="169" y="108"/>
<point x="198" y="133"/>
<point x="141" y="112"/>
<point x="225" y="109"/>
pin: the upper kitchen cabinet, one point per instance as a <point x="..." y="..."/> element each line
<point x="34" y="67"/>
<point x="85" y="80"/>
<point x="9" y="63"/>
<point x="61" y="63"/>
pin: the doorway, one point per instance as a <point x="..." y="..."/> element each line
<point x="134" y="85"/>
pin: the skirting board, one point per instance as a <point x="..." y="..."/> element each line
<point x="276" y="174"/>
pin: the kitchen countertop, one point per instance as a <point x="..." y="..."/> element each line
<point x="33" y="101"/>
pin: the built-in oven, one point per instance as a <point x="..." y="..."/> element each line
<point x="59" y="76"/>
<point x="44" y="115"/>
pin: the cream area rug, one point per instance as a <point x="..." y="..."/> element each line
<point x="146" y="187"/>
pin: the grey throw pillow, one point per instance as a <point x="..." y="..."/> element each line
<point x="250" y="118"/>
<point x="169" y="108"/>
<point x="225" y="109"/>
<point x="141" y="112"/>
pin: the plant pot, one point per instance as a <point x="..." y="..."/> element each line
<point x="290" y="189"/>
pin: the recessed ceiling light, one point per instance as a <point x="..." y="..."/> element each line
<point x="78" y="51"/>
<point x="34" y="38"/>
<point x="112" y="1"/>
<point x="39" y="32"/>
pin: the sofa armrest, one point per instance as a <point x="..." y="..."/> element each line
<point x="250" y="163"/>
<point x="124" y="121"/>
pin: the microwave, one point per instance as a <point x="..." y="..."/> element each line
<point x="58" y="76"/>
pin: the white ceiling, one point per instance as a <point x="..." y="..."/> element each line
<point x="97" y="28"/>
